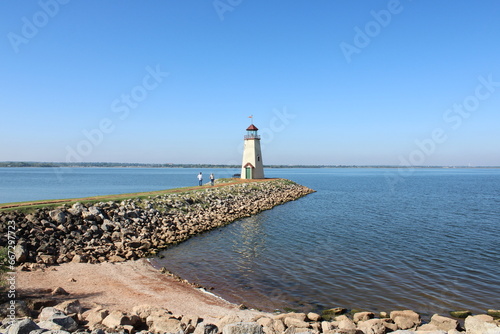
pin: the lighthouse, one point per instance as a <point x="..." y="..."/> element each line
<point x="252" y="167"/>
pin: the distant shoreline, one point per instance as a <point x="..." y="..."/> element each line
<point x="30" y="164"/>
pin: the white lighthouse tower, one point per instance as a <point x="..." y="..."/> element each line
<point x="252" y="167"/>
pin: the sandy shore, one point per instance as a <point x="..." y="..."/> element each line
<point x="121" y="286"/>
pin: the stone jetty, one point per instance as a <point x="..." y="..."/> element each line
<point x="137" y="227"/>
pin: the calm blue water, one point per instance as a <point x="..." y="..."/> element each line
<point x="428" y="241"/>
<point x="26" y="184"/>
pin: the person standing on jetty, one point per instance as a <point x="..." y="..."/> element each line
<point x="200" y="179"/>
<point x="212" y="179"/>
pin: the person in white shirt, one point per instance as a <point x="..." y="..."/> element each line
<point x="200" y="179"/>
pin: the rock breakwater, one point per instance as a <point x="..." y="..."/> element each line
<point x="70" y="317"/>
<point x="137" y="227"/>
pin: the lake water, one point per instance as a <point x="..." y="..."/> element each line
<point x="27" y="184"/>
<point x="375" y="239"/>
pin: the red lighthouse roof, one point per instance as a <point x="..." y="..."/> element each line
<point x="252" y="128"/>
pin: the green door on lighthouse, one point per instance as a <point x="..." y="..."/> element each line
<point x="248" y="172"/>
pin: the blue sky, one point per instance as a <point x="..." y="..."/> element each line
<point x="328" y="82"/>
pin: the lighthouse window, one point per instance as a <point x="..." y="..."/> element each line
<point x="258" y="158"/>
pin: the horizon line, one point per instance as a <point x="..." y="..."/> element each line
<point x="170" y="165"/>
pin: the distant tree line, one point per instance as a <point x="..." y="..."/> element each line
<point x="145" y="165"/>
<point x="169" y="165"/>
<point x="109" y="164"/>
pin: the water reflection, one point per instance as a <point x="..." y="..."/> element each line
<point x="353" y="245"/>
<point x="251" y="241"/>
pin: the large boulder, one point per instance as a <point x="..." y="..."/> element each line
<point x="49" y="326"/>
<point x="228" y="319"/>
<point x="21" y="251"/>
<point x="271" y="326"/>
<point x="294" y="315"/>
<point x="313" y="316"/>
<point x="58" y="216"/>
<point x="344" y="324"/>
<point x="191" y="319"/>
<point x="117" y="318"/>
<point x="406" y="319"/>
<point x="243" y="328"/>
<point x="326" y="326"/>
<point x="297" y="323"/>
<point x="80" y="258"/>
<point x="407" y="331"/>
<point x="161" y="324"/>
<point x="24" y="326"/>
<point x="439" y="322"/>
<point x="59" y="322"/>
<point x="204" y="328"/>
<point x="76" y="209"/>
<point x="47" y="259"/>
<point x="95" y="317"/>
<point x="144" y="311"/>
<point x="481" y="324"/>
<point x="362" y="316"/>
<point x="49" y="312"/>
<point x="72" y="306"/>
<point x="372" y="326"/>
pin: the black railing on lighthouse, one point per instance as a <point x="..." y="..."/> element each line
<point x="252" y="136"/>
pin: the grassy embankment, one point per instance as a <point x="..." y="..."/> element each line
<point x="33" y="205"/>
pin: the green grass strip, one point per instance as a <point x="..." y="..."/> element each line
<point x="30" y="206"/>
